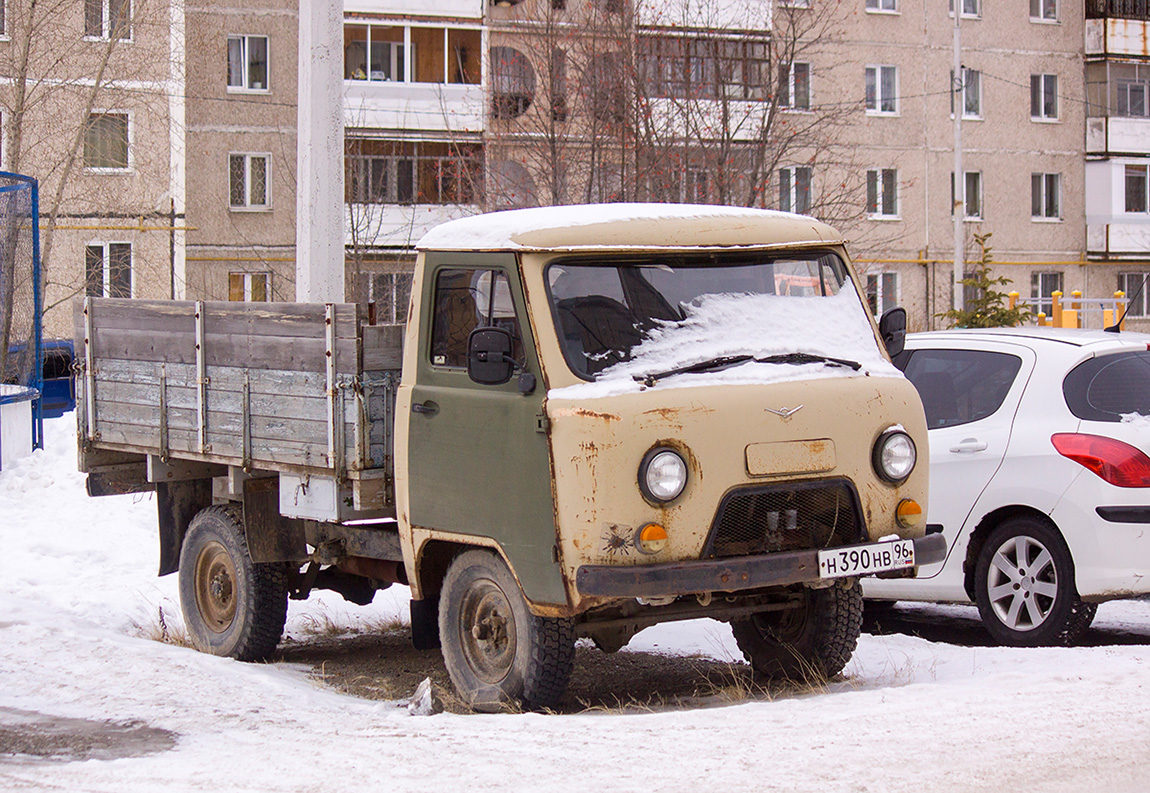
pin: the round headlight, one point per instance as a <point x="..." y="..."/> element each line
<point x="662" y="475"/>
<point x="894" y="456"/>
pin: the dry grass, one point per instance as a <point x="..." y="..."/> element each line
<point x="161" y="631"/>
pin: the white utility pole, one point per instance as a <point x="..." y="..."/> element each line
<point x="959" y="176"/>
<point x="319" y="227"/>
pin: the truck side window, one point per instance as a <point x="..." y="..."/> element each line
<point x="466" y="299"/>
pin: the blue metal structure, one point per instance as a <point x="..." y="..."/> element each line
<point x="20" y="224"/>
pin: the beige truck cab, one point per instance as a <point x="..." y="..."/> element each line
<point x="613" y="416"/>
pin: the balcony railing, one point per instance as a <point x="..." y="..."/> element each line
<point x="1118" y="9"/>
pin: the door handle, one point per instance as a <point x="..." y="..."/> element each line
<point x="969" y="445"/>
<point x="426" y="408"/>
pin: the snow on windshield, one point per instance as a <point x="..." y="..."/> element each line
<point x="757" y="324"/>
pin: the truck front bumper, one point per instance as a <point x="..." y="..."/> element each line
<point x="731" y="574"/>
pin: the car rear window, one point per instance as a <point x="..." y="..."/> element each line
<point x="959" y="386"/>
<point x="1106" y="387"/>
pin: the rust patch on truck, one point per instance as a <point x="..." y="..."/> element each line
<point x="591" y="414"/>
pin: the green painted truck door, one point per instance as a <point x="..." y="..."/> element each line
<point x="478" y="462"/>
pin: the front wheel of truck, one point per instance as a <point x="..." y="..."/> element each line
<point x="810" y="643"/>
<point x="232" y="606"/>
<point x="497" y="652"/>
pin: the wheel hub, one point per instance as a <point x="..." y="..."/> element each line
<point x="1022" y="583"/>
<point x="487" y="631"/>
<point x="215" y="583"/>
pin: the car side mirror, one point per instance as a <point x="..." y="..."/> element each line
<point x="489" y="360"/>
<point x="892" y="328"/>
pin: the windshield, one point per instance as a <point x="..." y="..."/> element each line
<point x="607" y="313"/>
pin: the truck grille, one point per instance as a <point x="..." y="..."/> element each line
<point x="790" y="517"/>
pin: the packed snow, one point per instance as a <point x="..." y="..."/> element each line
<point x="79" y="594"/>
<point x="757" y="324"/>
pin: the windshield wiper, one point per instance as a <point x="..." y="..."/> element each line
<point x="727" y="361"/>
<point x="806" y="357"/>
<point x="710" y="365"/>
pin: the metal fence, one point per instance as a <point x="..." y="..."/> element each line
<point x="20" y="307"/>
<point x="1118" y="9"/>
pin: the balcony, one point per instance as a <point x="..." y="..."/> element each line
<point x="1118" y="9"/>
<point x="1116" y="135"/>
<point x="1107" y="35"/>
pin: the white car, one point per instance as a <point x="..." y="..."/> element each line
<point x="1039" y="475"/>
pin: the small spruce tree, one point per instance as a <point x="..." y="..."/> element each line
<point x="988" y="308"/>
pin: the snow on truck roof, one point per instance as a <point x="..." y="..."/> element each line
<point x="635" y="226"/>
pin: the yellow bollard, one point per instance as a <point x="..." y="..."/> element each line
<point x="1107" y="317"/>
<point x="1121" y="309"/>
<point x="1069" y="318"/>
<point x="1076" y="307"/>
<point x="1042" y="319"/>
<point x="1012" y="300"/>
<point x="1056" y="309"/>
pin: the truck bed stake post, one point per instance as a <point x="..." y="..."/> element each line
<point x="201" y="378"/>
<point x="329" y="354"/>
<point x="164" y="413"/>
<point x="90" y="374"/>
<point x="247" y="408"/>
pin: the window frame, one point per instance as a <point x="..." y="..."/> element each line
<point x="1040" y="17"/>
<point x="976" y="14"/>
<point x="106" y="20"/>
<point x="247" y="279"/>
<point x="790" y="83"/>
<point x="246" y="63"/>
<point x="1140" y="172"/>
<point x="247" y="206"/>
<point x="977" y="176"/>
<point x="882" y="301"/>
<point x="129" y="165"/>
<point x="1040" y="188"/>
<point x="1124" y="280"/>
<point x="879" y="97"/>
<point x="1039" y="302"/>
<point x="1040" y="85"/>
<point x="793" y="196"/>
<point x="880" y="193"/>
<point x="876" y="7"/>
<point x="967" y="75"/>
<point x="105" y="247"/>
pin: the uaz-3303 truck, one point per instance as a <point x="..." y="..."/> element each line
<point x="595" y="419"/>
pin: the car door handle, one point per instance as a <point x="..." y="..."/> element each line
<point x="426" y="408"/>
<point x="969" y="445"/>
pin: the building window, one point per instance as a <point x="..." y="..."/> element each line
<point x="1046" y="196"/>
<point x="795" y="189"/>
<point x="249" y="181"/>
<point x="558" y="84"/>
<point x="702" y="68"/>
<point x="108" y="269"/>
<point x="882" y="5"/>
<point x="106" y="141"/>
<point x="1132" y="98"/>
<point x="881" y="292"/>
<point x="411" y="53"/>
<point x="795" y="86"/>
<point x="1042" y="286"/>
<point x="882" y="193"/>
<point x="1044" y="10"/>
<point x="3" y="18"/>
<point x="971" y="93"/>
<point x="1136" y="188"/>
<point x="882" y="90"/>
<point x="248" y="63"/>
<point x="1044" y="96"/>
<point x="973" y="195"/>
<point x="108" y="19"/>
<point x="394" y="172"/>
<point x="249" y="287"/>
<point x="1134" y="287"/>
<point x="970" y="8"/>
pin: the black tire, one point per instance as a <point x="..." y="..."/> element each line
<point x="811" y="643"/>
<point x="1024" y="586"/>
<point x="495" y="650"/>
<point x="232" y="606"/>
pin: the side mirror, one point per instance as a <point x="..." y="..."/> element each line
<point x="892" y="328"/>
<point x="489" y="360"/>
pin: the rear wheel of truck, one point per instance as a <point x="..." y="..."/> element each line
<point x="810" y="643"/>
<point x="232" y="606"/>
<point x="496" y="651"/>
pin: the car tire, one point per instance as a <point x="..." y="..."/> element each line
<point x="232" y="606"/>
<point x="810" y="643"/>
<point x="497" y="652"/>
<point x="1024" y="586"/>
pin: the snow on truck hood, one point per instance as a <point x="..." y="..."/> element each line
<point x="760" y="325"/>
<point x="627" y="226"/>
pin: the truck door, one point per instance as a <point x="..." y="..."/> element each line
<point x="478" y="459"/>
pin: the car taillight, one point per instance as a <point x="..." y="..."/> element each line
<point x="1118" y="463"/>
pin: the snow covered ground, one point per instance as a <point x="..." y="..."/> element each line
<point x="78" y="588"/>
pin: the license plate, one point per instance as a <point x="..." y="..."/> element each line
<point x="875" y="557"/>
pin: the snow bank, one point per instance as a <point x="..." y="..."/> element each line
<point x="755" y="324"/>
